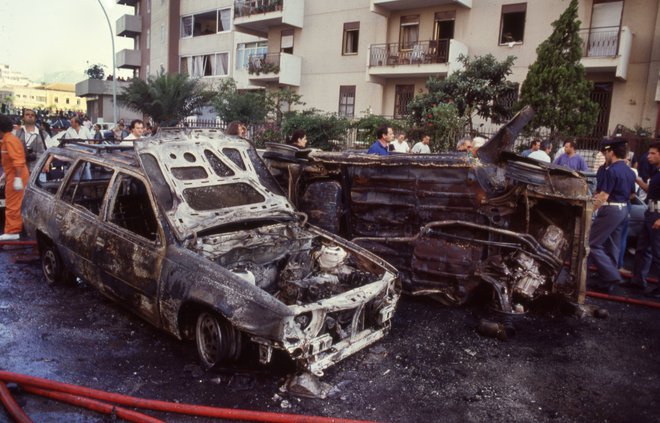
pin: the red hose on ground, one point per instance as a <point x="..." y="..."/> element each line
<point x="14" y="410"/>
<point x="195" y="410"/>
<point x="94" y="405"/>
<point x="620" y="299"/>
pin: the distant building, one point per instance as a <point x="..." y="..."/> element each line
<point x="350" y="56"/>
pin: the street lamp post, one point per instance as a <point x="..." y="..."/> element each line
<point x="114" y="67"/>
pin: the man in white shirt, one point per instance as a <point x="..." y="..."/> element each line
<point x="136" y="129"/>
<point x="76" y="131"/>
<point x="422" y="147"/>
<point x="400" y="145"/>
<point x="542" y="154"/>
<point x="35" y="141"/>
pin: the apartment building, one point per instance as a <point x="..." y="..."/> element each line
<point x="373" y="56"/>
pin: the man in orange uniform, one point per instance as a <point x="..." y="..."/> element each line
<point x="16" y="175"/>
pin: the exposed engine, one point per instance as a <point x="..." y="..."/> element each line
<point x="296" y="269"/>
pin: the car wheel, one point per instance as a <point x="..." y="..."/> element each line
<point x="217" y="340"/>
<point x="52" y="266"/>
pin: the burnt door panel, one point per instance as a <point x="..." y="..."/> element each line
<point x="77" y="217"/>
<point x="129" y="248"/>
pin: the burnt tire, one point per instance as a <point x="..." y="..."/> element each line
<point x="216" y="339"/>
<point x="52" y="265"/>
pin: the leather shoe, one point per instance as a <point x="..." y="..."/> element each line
<point x="654" y="293"/>
<point x="10" y="237"/>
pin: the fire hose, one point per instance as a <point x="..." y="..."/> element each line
<point x="104" y="402"/>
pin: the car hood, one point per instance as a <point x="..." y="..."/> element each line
<point x="204" y="179"/>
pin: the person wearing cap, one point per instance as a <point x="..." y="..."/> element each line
<point x="611" y="202"/>
<point x="649" y="237"/>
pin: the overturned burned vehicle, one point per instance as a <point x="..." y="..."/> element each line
<point x="189" y="230"/>
<point x="502" y="224"/>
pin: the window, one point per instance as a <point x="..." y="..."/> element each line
<point x="512" y="28"/>
<point x="347" y="101"/>
<point x="351" y="37"/>
<point x="245" y="50"/>
<point x="57" y="169"/>
<point x="402" y="96"/>
<point x="409" y="32"/>
<point x="162" y="33"/>
<point x="148" y="39"/>
<point x="132" y="208"/>
<point x="87" y="186"/>
<point x="67" y="101"/>
<point x="206" y="23"/>
<point x="57" y="100"/>
<point x="504" y="104"/>
<point x="286" y="42"/>
<point x="148" y="6"/>
<point x="216" y="64"/>
<point x="443" y="28"/>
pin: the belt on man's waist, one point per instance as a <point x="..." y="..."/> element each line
<point x="654" y="206"/>
<point x="616" y="204"/>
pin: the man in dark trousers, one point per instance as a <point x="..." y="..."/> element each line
<point x="650" y="234"/>
<point x="612" y="206"/>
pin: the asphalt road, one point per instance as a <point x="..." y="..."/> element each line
<point x="432" y="367"/>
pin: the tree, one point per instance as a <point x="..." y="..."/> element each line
<point x="321" y="128"/>
<point x="556" y="85"/>
<point x="250" y="107"/>
<point x="280" y="99"/>
<point x="166" y="98"/>
<point x="95" y="71"/>
<point x="443" y="124"/>
<point x="474" y="90"/>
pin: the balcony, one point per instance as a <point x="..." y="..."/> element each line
<point x="420" y="59"/>
<point x="128" y="2"/>
<point x="128" y="59"/>
<point x="256" y="17"/>
<point x="385" y="7"/>
<point x="607" y="49"/>
<point x="98" y="87"/>
<point x="279" y="68"/>
<point x="129" y="26"/>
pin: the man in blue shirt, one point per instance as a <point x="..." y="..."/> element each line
<point x="612" y="205"/>
<point x="534" y="146"/>
<point x="384" y="136"/>
<point x="650" y="234"/>
<point x="570" y="158"/>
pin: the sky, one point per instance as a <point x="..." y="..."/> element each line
<point x="41" y="37"/>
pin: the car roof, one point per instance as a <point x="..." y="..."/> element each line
<point x="112" y="154"/>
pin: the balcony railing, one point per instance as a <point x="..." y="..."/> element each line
<point x="421" y="52"/>
<point x="264" y="63"/>
<point x="252" y="7"/>
<point x="600" y="42"/>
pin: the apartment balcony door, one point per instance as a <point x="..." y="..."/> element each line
<point x="604" y="28"/>
<point x="602" y="94"/>
<point x="443" y="32"/>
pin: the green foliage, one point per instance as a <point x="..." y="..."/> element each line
<point x="95" y="72"/>
<point x="280" y="99"/>
<point x="443" y="124"/>
<point x="556" y="85"/>
<point x="368" y="124"/>
<point x="474" y="90"/>
<point x="268" y="132"/>
<point x="250" y="107"/>
<point x="321" y="128"/>
<point x="166" y="98"/>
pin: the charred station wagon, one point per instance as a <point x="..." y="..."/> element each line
<point x="190" y="231"/>
<point x="453" y="226"/>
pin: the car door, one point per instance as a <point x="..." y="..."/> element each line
<point x="76" y="216"/>
<point x="129" y="246"/>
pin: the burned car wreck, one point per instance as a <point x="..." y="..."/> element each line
<point x="189" y="230"/>
<point x="453" y="226"/>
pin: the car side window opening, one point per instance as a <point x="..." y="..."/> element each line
<point x="132" y="208"/>
<point x="87" y="186"/>
<point x="57" y="167"/>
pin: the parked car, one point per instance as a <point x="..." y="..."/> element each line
<point x="189" y="230"/>
<point x="452" y="225"/>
